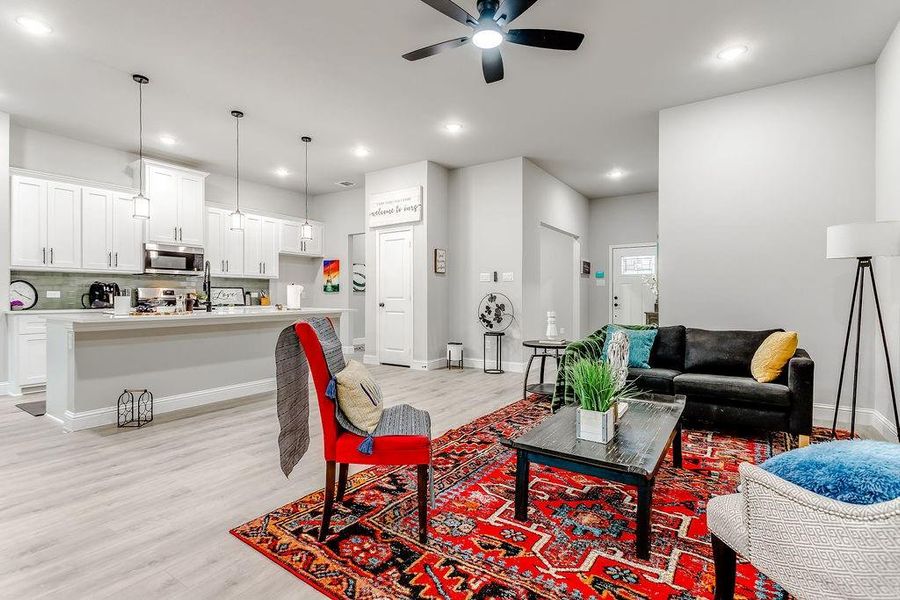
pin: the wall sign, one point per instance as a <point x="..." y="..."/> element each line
<point x="233" y="296"/>
<point x="392" y="208"/>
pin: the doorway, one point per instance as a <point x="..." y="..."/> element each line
<point x="559" y="281"/>
<point x="394" y="297"/>
<point x="631" y="299"/>
<point x="357" y="254"/>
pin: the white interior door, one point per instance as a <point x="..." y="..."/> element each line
<point x="630" y="295"/>
<point x="394" y="297"/>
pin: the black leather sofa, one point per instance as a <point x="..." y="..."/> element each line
<point x="712" y="368"/>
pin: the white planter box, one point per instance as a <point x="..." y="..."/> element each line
<point x="595" y="426"/>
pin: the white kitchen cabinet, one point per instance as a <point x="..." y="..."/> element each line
<point x="261" y="247"/>
<point x="27" y="351"/>
<point x="290" y="239"/>
<point x="224" y="246"/>
<point x="111" y="236"/>
<point x="269" y="243"/>
<point x="46" y="224"/>
<point x="177" y="208"/>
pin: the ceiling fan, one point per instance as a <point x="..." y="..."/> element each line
<point x="493" y="16"/>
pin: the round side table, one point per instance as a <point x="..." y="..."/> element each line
<point x="498" y="357"/>
<point x="542" y="350"/>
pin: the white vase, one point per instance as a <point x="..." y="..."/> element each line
<point x="595" y="426"/>
<point x="552" y="331"/>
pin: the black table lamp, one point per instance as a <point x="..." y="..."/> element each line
<point x="863" y="241"/>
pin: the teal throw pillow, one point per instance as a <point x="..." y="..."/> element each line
<point x="640" y="343"/>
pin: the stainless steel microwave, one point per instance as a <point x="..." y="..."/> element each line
<point x="172" y="259"/>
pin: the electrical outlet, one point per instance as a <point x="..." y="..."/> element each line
<point x="508" y="276"/>
<point x="54" y="294"/>
<point x="485" y="277"/>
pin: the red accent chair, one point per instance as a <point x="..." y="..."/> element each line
<point x="341" y="446"/>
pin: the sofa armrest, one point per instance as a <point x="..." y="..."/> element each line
<point x="800" y="372"/>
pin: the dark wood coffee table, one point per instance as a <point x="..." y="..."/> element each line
<point x="643" y="435"/>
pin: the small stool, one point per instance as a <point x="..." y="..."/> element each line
<point x="498" y="339"/>
<point x="454" y="355"/>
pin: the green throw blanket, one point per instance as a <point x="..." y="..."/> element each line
<point x="590" y="347"/>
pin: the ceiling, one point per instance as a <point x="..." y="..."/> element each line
<point x="333" y="70"/>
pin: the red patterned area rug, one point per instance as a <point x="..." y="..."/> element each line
<point x="578" y="543"/>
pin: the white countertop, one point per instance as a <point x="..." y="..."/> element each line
<point x="104" y="320"/>
<point x="41" y="312"/>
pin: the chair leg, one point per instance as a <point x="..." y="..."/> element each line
<point x="342" y="481"/>
<point x="726" y="569"/>
<point x="423" y="502"/>
<point x="329" y="500"/>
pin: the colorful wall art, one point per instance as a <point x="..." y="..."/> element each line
<point x="331" y="272"/>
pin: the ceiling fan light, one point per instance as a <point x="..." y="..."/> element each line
<point x="141" y="206"/>
<point x="306" y="232"/>
<point x="487" y="38"/>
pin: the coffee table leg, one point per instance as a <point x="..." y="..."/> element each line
<point x="676" y="447"/>
<point x="645" y="497"/>
<point x="522" y="467"/>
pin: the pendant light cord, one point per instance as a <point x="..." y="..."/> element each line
<point x="141" y="132"/>
<point x="237" y="165"/>
<point x="306" y="181"/>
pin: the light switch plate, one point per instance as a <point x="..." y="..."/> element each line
<point x="485" y="277"/>
<point x="508" y="276"/>
<point x="54" y="294"/>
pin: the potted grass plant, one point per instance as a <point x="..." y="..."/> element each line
<point x="598" y="390"/>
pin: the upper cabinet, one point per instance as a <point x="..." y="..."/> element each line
<point x="291" y="243"/>
<point x="177" y="207"/>
<point x="251" y="253"/>
<point x="46" y="224"/>
<point x="261" y="243"/>
<point x="224" y="246"/>
<point x="111" y="236"/>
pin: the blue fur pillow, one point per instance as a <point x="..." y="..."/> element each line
<point x="640" y="343"/>
<point x="854" y="471"/>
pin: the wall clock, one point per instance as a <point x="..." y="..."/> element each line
<point x="22" y="295"/>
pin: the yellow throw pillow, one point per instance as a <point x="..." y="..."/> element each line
<point x="771" y="356"/>
<point x="359" y="396"/>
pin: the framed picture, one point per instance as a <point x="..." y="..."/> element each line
<point x="440" y="260"/>
<point x="227" y="296"/>
<point x="585" y="267"/>
<point x="331" y="272"/>
<point x="359" y="277"/>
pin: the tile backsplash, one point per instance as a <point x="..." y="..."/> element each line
<point x="71" y="286"/>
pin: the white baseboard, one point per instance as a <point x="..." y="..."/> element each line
<point x="824" y="413"/>
<point x="512" y="367"/>
<point x="429" y="365"/>
<point x="109" y="415"/>
<point x="4" y="388"/>
<point x="359" y="341"/>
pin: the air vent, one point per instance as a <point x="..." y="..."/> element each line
<point x="346" y="184"/>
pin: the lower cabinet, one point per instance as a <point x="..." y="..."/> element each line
<point x="27" y="351"/>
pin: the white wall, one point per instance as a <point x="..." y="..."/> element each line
<point x="436" y="220"/>
<point x="748" y="184"/>
<point x="887" y="208"/>
<point x="357" y="318"/>
<point x="4" y="247"/>
<point x="618" y="220"/>
<point x="549" y="201"/>
<point x="558" y="277"/>
<point x="485" y="235"/>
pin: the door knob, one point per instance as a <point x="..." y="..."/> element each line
<point x="381" y="304"/>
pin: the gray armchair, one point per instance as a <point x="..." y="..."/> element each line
<point x="814" y="547"/>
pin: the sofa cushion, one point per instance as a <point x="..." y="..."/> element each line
<point x="640" y="342"/>
<point x="772" y="355"/>
<point x="722" y="352"/>
<point x="701" y="387"/>
<point x="668" y="349"/>
<point x="654" y="380"/>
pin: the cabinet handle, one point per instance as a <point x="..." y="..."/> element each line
<point x="176" y="233"/>
<point x="51" y="255"/>
<point x="181" y="234"/>
<point x="264" y="268"/>
<point x="117" y="259"/>
<point x="109" y="259"/>
<point x="227" y="266"/>
<point x="223" y="265"/>
<point x="44" y="255"/>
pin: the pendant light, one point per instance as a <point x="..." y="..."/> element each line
<point x="141" y="202"/>
<point x="306" y="230"/>
<point x="237" y="217"/>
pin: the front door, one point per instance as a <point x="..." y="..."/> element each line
<point x="394" y="297"/>
<point x="632" y="297"/>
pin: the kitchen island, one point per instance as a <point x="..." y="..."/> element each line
<point x="185" y="360"/>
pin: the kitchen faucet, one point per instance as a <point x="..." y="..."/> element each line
<point x="207" y="286"/>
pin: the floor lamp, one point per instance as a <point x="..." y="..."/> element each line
<point x="863" y="241"/>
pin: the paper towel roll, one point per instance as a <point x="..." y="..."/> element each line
<point x="294" y="295"/>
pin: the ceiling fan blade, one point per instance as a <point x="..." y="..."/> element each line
<point x="435" y="48"/>
<point x="545" y="38"/>
<point x="492" y="65"/>
<point x="453" y="10"/>
<point x="511" y="9"/>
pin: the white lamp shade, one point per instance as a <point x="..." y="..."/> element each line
<point x="306" y="232"/>
<point x="141" y="207"/>
<point x="237" y="221"/>
<point x="855" y="240"/>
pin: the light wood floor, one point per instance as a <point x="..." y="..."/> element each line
<point x="109" y="513"/>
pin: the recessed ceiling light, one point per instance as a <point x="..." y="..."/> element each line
<point x="282" y="172"/>
<point x="361" y="151"/>
<point x="616" y="174"/>
<point x="345" y="184"/>
<point x="453" y="127"/>
<point x="167" y="139"/>
<point x="732" y="53"/>
<point x="34" y="26"/>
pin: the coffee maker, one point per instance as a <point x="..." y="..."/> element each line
<point x="100" y="295"/>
